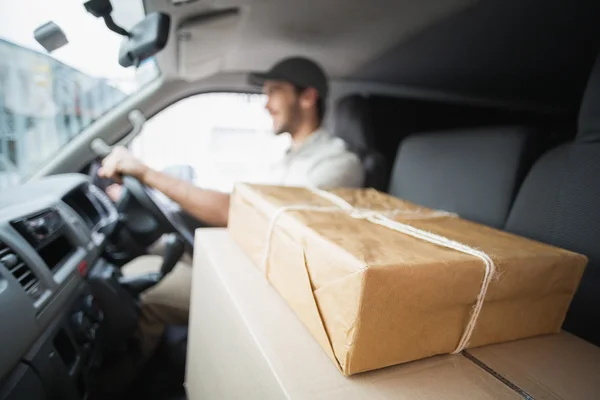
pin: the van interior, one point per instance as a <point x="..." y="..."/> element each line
<point x="486" y="108"/>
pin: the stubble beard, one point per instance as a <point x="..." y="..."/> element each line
<point x="290" y="125"/>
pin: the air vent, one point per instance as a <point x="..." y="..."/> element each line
<point x="21" y="271"/>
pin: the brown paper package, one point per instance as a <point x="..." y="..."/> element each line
<point x="373" y="297"/>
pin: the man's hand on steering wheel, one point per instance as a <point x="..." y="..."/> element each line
<point x="121" y="166"/>
<point x="121" y="162"/>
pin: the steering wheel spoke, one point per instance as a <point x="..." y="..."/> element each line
<point x="168" y="219"/>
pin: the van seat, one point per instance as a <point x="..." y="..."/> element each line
<point x="472" y="172"/>
<point x="559" y="203"/>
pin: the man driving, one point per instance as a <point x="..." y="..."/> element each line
<point x="297" y="90"/>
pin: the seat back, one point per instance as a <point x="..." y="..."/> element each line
<point x="559" y="203"/>
<point x="473" y="172"/>
<point x="353" y="123"/>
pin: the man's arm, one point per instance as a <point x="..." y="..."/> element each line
<point x="209" y="206"/>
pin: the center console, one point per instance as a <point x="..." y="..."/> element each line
<point x="61" y="358"/>
<point x="99" y="317"/>
<point x="62" y="309"/>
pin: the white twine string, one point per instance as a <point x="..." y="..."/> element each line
<point x="273" y="222"/>
<point x="380" y="219"/>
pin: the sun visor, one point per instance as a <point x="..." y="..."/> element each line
<point x="205" y="41"/>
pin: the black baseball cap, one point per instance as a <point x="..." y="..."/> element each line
<point x="298" y="71"/>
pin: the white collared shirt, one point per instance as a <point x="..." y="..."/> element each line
<point x="322" y="161"/>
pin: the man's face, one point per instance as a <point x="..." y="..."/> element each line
<point x="283" y="105"/>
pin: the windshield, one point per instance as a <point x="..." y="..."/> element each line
<point x="47" y="100"/>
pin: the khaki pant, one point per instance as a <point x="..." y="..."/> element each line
<point x="164" y="304"/>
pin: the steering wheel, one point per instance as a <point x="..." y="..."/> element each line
<point x="169" y="220"/>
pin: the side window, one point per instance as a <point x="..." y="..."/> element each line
<point x="222" y="138"/>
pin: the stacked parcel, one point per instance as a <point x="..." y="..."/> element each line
<point x="380" y="281"/>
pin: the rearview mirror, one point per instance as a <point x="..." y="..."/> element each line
<point x="146" y="38"/>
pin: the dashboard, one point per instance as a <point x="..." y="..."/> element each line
<point x="52" y="231"/>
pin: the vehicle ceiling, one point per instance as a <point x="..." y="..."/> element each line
<point x="537" y="51"/>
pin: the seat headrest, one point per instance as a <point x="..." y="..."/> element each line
<point x="589" y="112"/>
<point x="353" y="123"/>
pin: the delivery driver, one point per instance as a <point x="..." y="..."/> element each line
<point x="297" y="91"/>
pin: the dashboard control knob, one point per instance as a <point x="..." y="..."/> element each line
<point x="10" y="261"/>
<point x="41" y="230"/>
<point x="92" y="309"/>
<point x="83" y="327"/>
<point x="39" y="227"/>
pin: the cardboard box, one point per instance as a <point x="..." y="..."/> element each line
<point x="553" y="367"/>
<point x="373" y="297"/>
<point x="245" y="343"/>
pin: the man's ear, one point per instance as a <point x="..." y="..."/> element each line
<point x="308" y="98"/>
